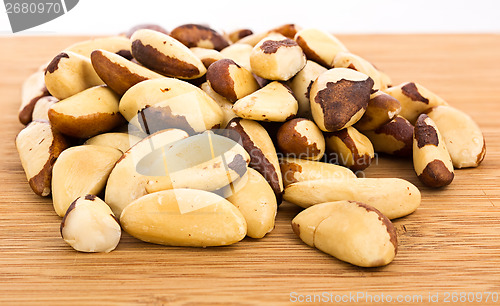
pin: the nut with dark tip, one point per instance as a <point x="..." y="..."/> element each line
<point x="196" y="35"/>
<point x="350" y="148"/>
<point x="33" y="89"/>
<point x="381" y="109"/>
<point x="301" y="138"/>
<point x="394" y="137"/>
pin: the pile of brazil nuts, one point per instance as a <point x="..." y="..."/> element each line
<point x="194" y="137"/>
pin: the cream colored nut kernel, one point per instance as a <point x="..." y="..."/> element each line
<point x="238" y="34"/>
<point x="415" y="99"/>
<point x="119" y="141"/>
<point x="394" y="137"/>
<point x="197" y="35"/>
<point x="239" y="53"/>
<point x="118" y="72"/>
<point x="300" y="85"/>
<point x="184" y="217"/>
<point x="205" y="161"/>
<point x="295" y="170"/>
<point x="225" y="105"/>
<point x="150" y="26"/>
<point x="79" y="171"/>
<point x="125" y="184"/>
<point x="165" y="55"/>
<point x="39" y="146"/>
<point x="159" y="104"/>
<point x="87" y="113"/>
<point x="393" y="197"/>
<point x="319" y="46"/>
<point x="42" y="106"/>
<point x="256" y="202"/>
<point x="70" y="73"/>
<point x="273" y="102"/>
<point x="287" y="30"/>
<point x="90" y="226"/>
<point x="277" y="58"/>
<point x="339" y="98"/>
<point x="207" y="56"/>
<point x="462" y="136"/>
<point x="260" y="147"/>
<point x="350" y="231"/>
<point x="115" y="44"/>
<point x="381" y="109"/>
<point x="356" y="62"/>
<point x="230" y="80"/>
<point x="431" y="160"/>
<point x="301" y="138"/>
<point x="33" y="89"/>
<point x="350" y="148"/>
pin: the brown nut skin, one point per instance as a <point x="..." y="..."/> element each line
<point x="150" y="26"/>
<point x="350" y="148"/>
<point x="33" y="89"/>
<point x="196" y="35"/>
<point x="259" y="145"/>
<point x="352" y="61"/>
<point x="39" y="146"/>
<point x="207" y="56"/>
<point x="301" y="138"/>
<point x="394" y="138"/>
<point x="230" y="80"/>
<point x="236" y="35"/>
<point x="86" y="114"/>
<point x="431" y="159"/>
<point x="381" y="109"/>
<point x="339" y="98"/>
<point x="165" y="55"/>
<point x="119" y="73"/>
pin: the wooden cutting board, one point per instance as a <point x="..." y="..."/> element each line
<point x="450" y="244"/>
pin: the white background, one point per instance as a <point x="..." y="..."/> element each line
<point x="96" y="17"/>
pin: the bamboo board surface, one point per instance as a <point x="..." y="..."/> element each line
<point x="450" y="244"/>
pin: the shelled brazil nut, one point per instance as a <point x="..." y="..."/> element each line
<point x="194" y="136"/>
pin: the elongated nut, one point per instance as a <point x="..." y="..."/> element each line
<point x="319" y="46"/>
<point x="88" y="113"/>
<point x="350" y="231"/>
<point x="295" y="170"/>
<point x="431" y="159"/>
<point x="120" y="141"/>
<point x="115" y="44"/>
<point x="256" y="202"/>
<point x="300" y="85"/>
<point x="394" y="137"/>
<point x="273" y="102"/>
<point x="39" y="146"/>
<point x="81" y="170"/>
<point x="225" y="105"/>
<point x="462" y="136"/>
<point x="238" y="34"/>
<point x="184" y="217"/>
<point x="33" y="90"/>
<point x="230" y="80"/>
<point x="301" y="138"/>
<point x="393" y="197"/>
<point x="125" y="184"/>
<point x="277" y="58"/>
<point x="165" y="55"/>
<point x="259" y="145"/>
<point x="207" y="56"/>
<point x="70" y="73"/>
<point x="350" y="148"/>
<point x="197" y="35"/>
<point x="42" y="106"/>
<point x="90" y="226"/>
<point x="415" y="99"/>
<point x="239" y="53"/>
<point x="339" y="98"/>
<point x="205" y="161"/>
<point x="159" y="104"/>
<point x="356" y="62"/>
<point x="118" y="72"/>
<point x="381" y="109"/>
